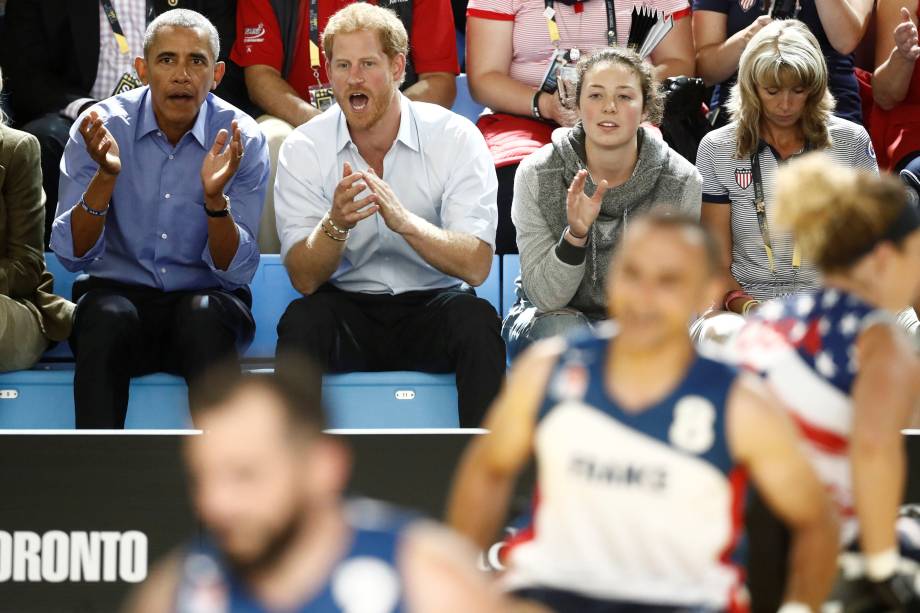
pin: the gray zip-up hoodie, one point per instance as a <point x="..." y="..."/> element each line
<point x="556" y="274"/>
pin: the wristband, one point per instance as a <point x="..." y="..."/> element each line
<point x="732" y="295"/>
<point x="92" y="211"/>
<point x="880" y="566"/>
<point x="748" y="306"/>
<point x="329" y="234"/>
<point x="535" y="104"/>
<point x="575" y="236"/>
<point x="335" y="227"/>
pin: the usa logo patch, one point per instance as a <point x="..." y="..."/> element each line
<point x="743" y="177"/>
<point x="746" y="5"/>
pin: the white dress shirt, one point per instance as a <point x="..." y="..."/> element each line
<point x="438" y="167"/>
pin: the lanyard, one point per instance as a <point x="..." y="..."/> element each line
<point x="550" y="14"/>
<point x="314" y="38"/>
<point x="760" y="207"/>
<point x="112" y="16"/>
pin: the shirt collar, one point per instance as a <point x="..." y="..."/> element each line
<point x="407" y="133"/>
<point x="148" y="120"/>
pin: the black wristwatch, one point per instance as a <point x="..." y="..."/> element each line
<point x="221" y="213"/>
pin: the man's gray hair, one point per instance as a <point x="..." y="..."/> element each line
<point x="183" y="18"/>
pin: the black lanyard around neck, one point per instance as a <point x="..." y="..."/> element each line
<point x="550" y="14"/>
<point x="112" y="17"/>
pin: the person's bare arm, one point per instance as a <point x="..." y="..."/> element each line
<point x="717" y="55"/>
<point x="884" y="399"/>
<point x="763" y="439"/>
<point x="268" y="89"/>
<point x="673" y="56"/>
<point x="844" y="22"/>
<point x="86" y="228"/>
<point x="717" y="218"/>
<point x="459" y="255"/>
<point x="896" y="51"/>
<point x="157" y="594"/>
<point x="435" y="87"/>
<point x="217" y="168"/>
<point x="485" y="477"/>
<point x="310" y="263"/>
<point x="488" y="67"/>
<point x="441" y="573"/>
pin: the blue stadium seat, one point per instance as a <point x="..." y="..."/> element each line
<point x="43" y="397"/>
<point x="464" y="103"/>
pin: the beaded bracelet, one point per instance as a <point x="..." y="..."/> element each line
<point x="92" y="211"/>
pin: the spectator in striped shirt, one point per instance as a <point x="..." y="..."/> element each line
<point x="780" y="107"/>
<point x="510" y="49"/>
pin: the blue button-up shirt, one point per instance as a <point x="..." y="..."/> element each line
<point x="156" y="230"/>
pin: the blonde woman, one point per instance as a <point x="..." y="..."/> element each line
<point x="780" y="108"/>
<point x="29" y="315"/>
<point x="842" y="365"/>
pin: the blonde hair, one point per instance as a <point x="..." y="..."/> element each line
<point x="362" y="16"/>
<point x="783" y="54"/>
<point x="837" y="214"/>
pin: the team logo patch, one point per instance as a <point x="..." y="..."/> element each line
<point x="571" y="382"/>
<point x="743" y="177"/>
<point x="746" y="5"/>
<point x="254" y="35"/>
<point x="870" y="150"/>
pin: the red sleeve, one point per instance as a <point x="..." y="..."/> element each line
<point x="434" y="39"/>
<point x="258" y="37"/>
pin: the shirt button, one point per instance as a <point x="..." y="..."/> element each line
<point x="172" y="157"/>
<point x="163" y="236"/>
<point x="167" y="196"/>
<point x="163" y="270"/>
<point x="159" y="133"/>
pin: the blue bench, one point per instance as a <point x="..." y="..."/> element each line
<point x="464" y="103"/>
<point x="43" y="397"/>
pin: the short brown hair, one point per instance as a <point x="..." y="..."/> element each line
<point x="652" y="98"/>
<point x="362" y="16"/>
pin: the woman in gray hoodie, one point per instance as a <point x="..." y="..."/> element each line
<point x="573" y="197"/>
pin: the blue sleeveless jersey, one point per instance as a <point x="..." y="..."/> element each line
<point x="367" y="573"/>
<point x="641" y="507"/>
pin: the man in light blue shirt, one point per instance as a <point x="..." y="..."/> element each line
<point x="160" y="197"/>
<point x="384" y="205"/>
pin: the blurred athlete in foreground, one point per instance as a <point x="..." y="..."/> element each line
<point x="839" y="361"/>
<point x="267" y="485"/>
<point x="640" y="445"/>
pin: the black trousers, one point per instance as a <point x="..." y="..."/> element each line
<point x="438" y="331"/>
<point x="123" y="331"/>
<point x="506" y="234"/>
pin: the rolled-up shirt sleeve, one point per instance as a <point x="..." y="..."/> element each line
<point x="468" y="205"/>
<point x="300" y="199"/>
<point x="77" y="170"/>
<point x="247" y="195"/>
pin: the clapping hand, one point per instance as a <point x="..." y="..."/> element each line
<point x="346" y="211"/>
<point x="221" y="162"/>
<point x="581" y="210"/>
<point x="905" y="37"/>
<point x="395" y="215"/>
<point x="100" y="144"/>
